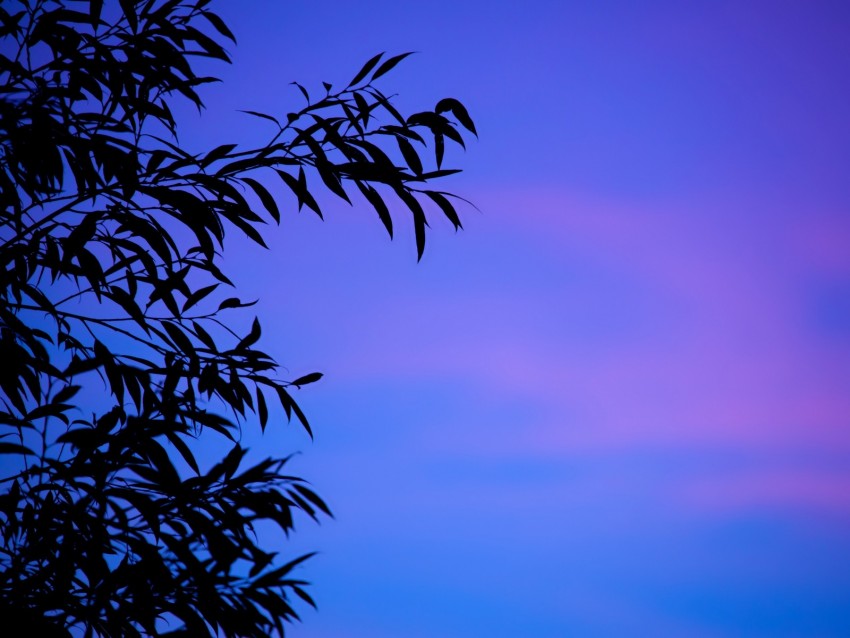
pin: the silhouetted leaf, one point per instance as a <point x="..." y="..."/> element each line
<point x="389" y="64"/>
<point x="410" y="155"/>
<point x="66" y="393"/>
<point x="264" y="116"/>
<point x="459" y="111"/>
<point x="218" y="153"/>
<point x="95" y="7"/>
<point x="204" y="336"/>
<point x="262" y="409"/>
<point x="14" y="448"/>
<point x="251" y="338"/>
<point x="198" y="295"/>
<point x="311" y="496"/>
<point x="273" y="577"/>
<point x="446" y="206"/>
<point x="183" y="343"/>
<point x="299" y="187"/>
<point x="129" y="9"/>
<point x="303" y="91"/>
<point x="234" y="302"/>
<point x="363" y="72"/>
<point x="307" y="378"/>
<point x="419" y="221"/>
<point x="378" y="203"/>
<point x="219" y="25"/>
<point x="184" y="450"/>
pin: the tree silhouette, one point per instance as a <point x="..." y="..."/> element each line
<point x="117" y="347"/>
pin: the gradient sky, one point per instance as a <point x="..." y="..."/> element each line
<point x="617" y="403"/>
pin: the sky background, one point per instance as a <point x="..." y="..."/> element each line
<point x="618" y="402"/>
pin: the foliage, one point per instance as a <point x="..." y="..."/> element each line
<point x="116" y="337"/>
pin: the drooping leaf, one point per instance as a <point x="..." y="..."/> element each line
<point x="446" y="206"/>
<point x="379" y="205"/>
<point x="219" y="25"/>
<point x="459" y="111"/>
<point x="410" y="155"/>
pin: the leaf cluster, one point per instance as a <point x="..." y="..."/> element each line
<point x="111" y="235"/>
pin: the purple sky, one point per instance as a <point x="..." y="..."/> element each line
<point x="618" y="403"/>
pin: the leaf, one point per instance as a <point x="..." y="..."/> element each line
<point x="183" y="343"/>
<point x="459" y="111"/>
<point x="129" y="9"/>
<point x="265" y="197"/>
<point x="211" y="48"/>
<point x="198" y="295"/>
<point x="48" y="410"/>
<point x="299" y="188"/>
<point x="446" y="206"/>
<point x="217" y="153"/>
<point x="66" y="393"/>
<point x="249" y="230"/>
<point x="330" y="179"/>
<point x="389" y="64"/>
<point x="366" y="68"/>
<point x="231" y="461"/>
<point x="302" y="418"/>
<point x="307" y="378"/>
<point x="272" y="578"/>
<point x="410" y="155"/>
<point x="314" y="498"/>
<point x="110" y="367"/>
<point x="184" y="450"/>
<point x="235" y="302"/>
<point x="419" y="221"/>
<point x="262" y="115"/>
<point x="289" y="406"/>
<point x="303" y="91"/>
<point x="204" y="336"/>
<point x="14" y="448"/>
<point x="219" y="25"/>
<point x="251" y="338"/>
<point x="452" y="133"/>
<point x="262" y="409"/>
<point x="95" y="8"/>
<point x="303" y="595"/>
<point x="363" y="108"/>
<point x="382" y="99"/>
<point x="378" y="204"/>
<point x="435" y="174"/>
<point x="129" y="305"/>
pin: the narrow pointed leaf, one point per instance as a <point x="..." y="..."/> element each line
<point x="365" y="70"/>
<point x="388" y="65"/>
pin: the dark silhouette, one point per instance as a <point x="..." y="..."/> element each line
<point x="117" y="352"/>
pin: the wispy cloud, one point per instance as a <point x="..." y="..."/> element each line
<point x="722" y="355"/>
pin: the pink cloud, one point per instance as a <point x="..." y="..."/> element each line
<point x="759" y="491"/>
<point x="737" y="368"/>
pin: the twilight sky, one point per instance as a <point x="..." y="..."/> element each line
<point x="617" y="403"/>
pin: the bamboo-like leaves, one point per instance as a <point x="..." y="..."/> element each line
<point x="113" y="289"/>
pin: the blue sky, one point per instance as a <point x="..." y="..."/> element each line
<point x="618" y="402"/>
